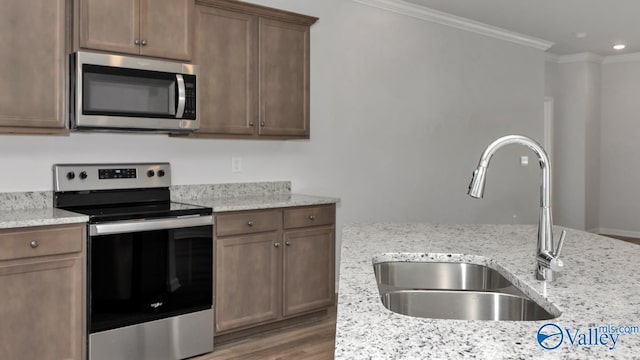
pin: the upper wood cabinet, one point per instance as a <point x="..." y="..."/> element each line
<point x="158" y="28"/>
<point x="32" y="66"/>
<point x="254" y="70"/>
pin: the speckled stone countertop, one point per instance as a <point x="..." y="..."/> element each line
<point x="23" y="209"/>
<point x="38" y="217"/>
<point x="599" y="286"/>
<point x="249" y="196"/>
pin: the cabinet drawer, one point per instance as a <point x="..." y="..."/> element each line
<point x="248" y="222"/>
<point x="309" y="216"/>
<point x="40" y="241"/>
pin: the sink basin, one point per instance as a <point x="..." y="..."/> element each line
<point x="463" y="305"/>
<point x="437" y="276"/>
<point x="457" y="291"/>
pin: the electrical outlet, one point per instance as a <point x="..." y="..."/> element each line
<point x="236" y="164"/>
<point x="524" y="160"/>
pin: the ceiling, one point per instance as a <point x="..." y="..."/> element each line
<point x="605" y="22"/>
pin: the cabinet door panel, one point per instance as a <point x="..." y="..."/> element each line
<point x="165" y="28"/>
<point x="309" y="270"/>
<point x="110" y="25"/>
<point x="284" y="78"/>
<point x="41" y="310"/>
<point x="226" y="50"/>
<point x="32" y="67"/>
<point x="247" y="280"/>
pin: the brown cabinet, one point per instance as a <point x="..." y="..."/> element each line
<point x="254" y="70"/>
<point x="158" y="28"/>
<point x="32" y="66"/>
<point x="41" y="287"/>
<point x="266" y="272"/>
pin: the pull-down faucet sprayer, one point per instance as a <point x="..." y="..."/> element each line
<point x="548" y="262"/>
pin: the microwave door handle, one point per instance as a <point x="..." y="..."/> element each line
<point x="181" y="96"/>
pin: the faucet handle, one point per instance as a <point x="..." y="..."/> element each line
<point x="560" y="244"/>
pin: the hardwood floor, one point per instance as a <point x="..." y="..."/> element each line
<point x="315" y="341"/>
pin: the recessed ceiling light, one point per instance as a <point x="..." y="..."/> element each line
<point x="619" y="46"/>
<point x="581" y="35"/>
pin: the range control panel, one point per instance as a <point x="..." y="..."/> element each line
<point x="81" y="177"/>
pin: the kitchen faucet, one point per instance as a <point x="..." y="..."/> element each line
<point x="548" y="260"/>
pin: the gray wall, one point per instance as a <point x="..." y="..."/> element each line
<point x="401" y="110"/>
<point x="575" y="87"/>
<point x="619" y="174"/>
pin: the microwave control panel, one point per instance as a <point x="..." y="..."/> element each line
<point x="190" y="97"/>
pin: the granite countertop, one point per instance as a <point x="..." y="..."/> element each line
<point x="256" y="202"/>
<point x="599" y="286"/>
<point x="38" y="217"/>
<point x="35" y="208"/>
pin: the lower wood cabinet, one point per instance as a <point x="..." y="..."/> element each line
<point x="276" y="274"/>
<point x="41" y="292"/>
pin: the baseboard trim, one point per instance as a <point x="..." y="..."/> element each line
<point x="617" y="232"/>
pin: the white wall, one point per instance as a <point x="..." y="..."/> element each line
<point x="619" y="174"/>
<point x="401" y="110"/>
<point x="575" y="87"/>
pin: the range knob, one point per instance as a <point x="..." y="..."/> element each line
<point x="83" y="175"/>
<point x="150" y="173"/>
<point x="71" y="175"/>
<point x="160" y="173"/>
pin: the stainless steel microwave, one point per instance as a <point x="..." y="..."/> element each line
<point x="127" y="93"/>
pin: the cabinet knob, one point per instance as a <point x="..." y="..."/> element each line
<point x="34" y="244"/>
<point x="261" y="123"/>
<point x="250" y="123"/>
<point x="136" y="41"/>
<point x="288" y="243"/>
<point x="277" y="245"/>
<point x="249" y="223"/>
<point x="144" y="42"/>
<point x="312" y="217"/>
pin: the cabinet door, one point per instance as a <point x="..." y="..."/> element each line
<point x="41" y="310"/>
<point x="110" y="25"/>
<point x="247" y="280"/>
<point x="32" y="66"/>
<point x="165" y="28"/>
<point x="226" y="50"/>
<point x="309" y="271"/>
<point x="284" y="78"/>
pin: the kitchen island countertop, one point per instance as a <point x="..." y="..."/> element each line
<point x="599" y="286"/>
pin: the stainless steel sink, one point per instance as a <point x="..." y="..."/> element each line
<point x="459" y="291"/>
<point x="463" y="305"/>
<point x="437" y="276"/>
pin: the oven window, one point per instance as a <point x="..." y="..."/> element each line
<point x="127" y="92"/>
<point x="144" y="276"/>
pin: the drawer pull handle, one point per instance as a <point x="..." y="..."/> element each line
<point x="277" y="245"/>
<point x="34" y="244"/>
<point x="312" y="217"/>
<point x="249" y="223"/>
<point x="288" y="243"/>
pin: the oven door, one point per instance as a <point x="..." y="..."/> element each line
<point x="139" y="271"/>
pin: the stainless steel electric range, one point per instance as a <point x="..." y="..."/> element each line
<point x="149" y="261"/>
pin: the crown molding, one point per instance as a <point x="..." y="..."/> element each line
<point x="442" y="18"/>
<point x="574" y="58"/>
<point x="634" y="57"/>
<point x="549" y="57"/>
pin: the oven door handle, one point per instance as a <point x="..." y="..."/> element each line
<point x="121" y="227"/>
